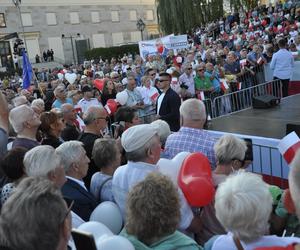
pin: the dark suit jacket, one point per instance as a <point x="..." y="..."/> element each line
<point x="84" y="202"/>
<point x="169" y="109"/>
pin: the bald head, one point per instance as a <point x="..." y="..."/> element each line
<point x="193" y="113"/>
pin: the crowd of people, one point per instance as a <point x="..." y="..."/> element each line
<point x="95" y="132"/>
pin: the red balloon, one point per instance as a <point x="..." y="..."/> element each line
<point x="195" y="180"/>
<point x="99" y="84"/>
<point x="111" y="106"/>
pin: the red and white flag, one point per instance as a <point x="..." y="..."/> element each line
<point x="288" y="146"/>
<point x="260" y="60"/>
<point x="201" y="96"/>
<point x="243" y="63"/>
<point x="154" y="96"/>
<point x="224" y="85"/>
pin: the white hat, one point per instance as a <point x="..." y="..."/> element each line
<point x="137" y="136"/>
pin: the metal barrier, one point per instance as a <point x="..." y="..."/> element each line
<point x="242" y="99"/>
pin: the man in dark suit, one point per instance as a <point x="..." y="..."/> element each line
<point x="168" y="103"/>
<point x="76" y="163"/>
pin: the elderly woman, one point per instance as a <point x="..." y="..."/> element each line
<point x="243" y="205"/>
<point x="107" y="157"/>
<point x="152" y="225"/>
<point x="202" y="81"/>
<point x="230" y="154"/>
<point x="38" y="105"/>
<point x="34" y="163"/>
<point x="52" y="124"/>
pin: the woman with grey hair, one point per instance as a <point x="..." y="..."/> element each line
<point x="243" y="205"/>
<point x="152" y="225"/>
<point x="35" y="217"/>
<point x="107" y="157"/>
<point x="230" y="154"/>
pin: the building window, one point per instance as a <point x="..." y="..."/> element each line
<point x="132" y="15"/>
<point x="95" y="17"/>
<point x="74" y="18"/>
<point x="51" y="18"/>
<point x="2" y="20"/>
<point x="117" y="38"/>
<point x="26" y="19"/>
<point x="115" y="16"/>
<point x="149" y="15"/>
<point x="135" y="36"/>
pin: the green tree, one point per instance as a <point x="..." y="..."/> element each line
<point x="180" y="16"/>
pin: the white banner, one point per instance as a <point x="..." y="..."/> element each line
<point x="162" y="45"/>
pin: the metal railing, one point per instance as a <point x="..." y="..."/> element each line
<point x="242" y="99"/>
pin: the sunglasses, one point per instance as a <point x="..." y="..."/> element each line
<point x="153" y="74"/>
<point x="163" y="80"/>
<point x="200" y="70"/>
<point x="189" y="68"/>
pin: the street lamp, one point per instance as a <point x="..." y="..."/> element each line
<point x="17" y="4"/>
<point x="141" y="26"/>
<point x="71" y="38"/>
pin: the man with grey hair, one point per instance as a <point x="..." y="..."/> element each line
<point x="95" y="120"/>
<point x="191" y="137"/>
<point x="186" y="81"/>
<point x="71" y="131"/>
<point x="35" y="217"/>
<point x="25" y="123"/>
<point x="142" y="146"/>
<point x="76" y="163"/>
<point x="60" y="94"/>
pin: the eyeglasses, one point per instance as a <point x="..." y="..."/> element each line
<point x="68" y="211"/>
<point x="200" y="70"/>
<point x="153" y="74"/>
<point x="102" y="118"/>
<point x="163" y="80"/>
<point x="189" y="68"/>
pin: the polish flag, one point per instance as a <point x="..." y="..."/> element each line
<point x="224" y="85"/>
<point x="239" y="85"/>
<point x="243" y="63"/>
<point x="288" y="146"/>
<point x="201" y="96"/>
<point x="260" y="60"/>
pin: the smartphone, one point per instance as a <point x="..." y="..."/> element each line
<point x="83" y="240"/>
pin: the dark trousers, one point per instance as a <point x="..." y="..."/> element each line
<point x="285" y="86"/>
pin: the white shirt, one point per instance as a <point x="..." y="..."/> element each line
<point x="126" y="176"/>
<point x="85" y="104"/>
<point x="282" y="64"/>
<point x="80" y="182"/>
<point x="226" y="242"/>
<point x="147" y="93"/>
<point x="159" y="101"/>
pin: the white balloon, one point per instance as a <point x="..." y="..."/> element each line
<point x="109" y="214"/>
<point x="97" y="229"/>
<point x="70" y="77"/>
<point x="60" y="76"/>
<point x="113" y="243"/>
<point x="171" y="167"/>
<point x="122" y="97"/>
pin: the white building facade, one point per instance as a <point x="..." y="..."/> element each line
<point x="71" y="26"/>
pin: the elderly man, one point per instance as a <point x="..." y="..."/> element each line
<point x="25" y="123"/>
<point x="186" y="81"/>
<point x="191" y="137"/>
<point x="35" y="217"/>
<point x="71" y="131"/>
<point x="87" y="100"/>
<point x="76" y="163"/>
<point x="95" y="120"/>
<point x="135" y="99"/>
<point x="61" y="96"/>
<point x="168" y="103"/>
<point x="142" y="146"/>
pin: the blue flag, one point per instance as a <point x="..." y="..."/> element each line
<point x="27" y="71"/>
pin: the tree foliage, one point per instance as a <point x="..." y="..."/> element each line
<point x="180" y="16"/>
